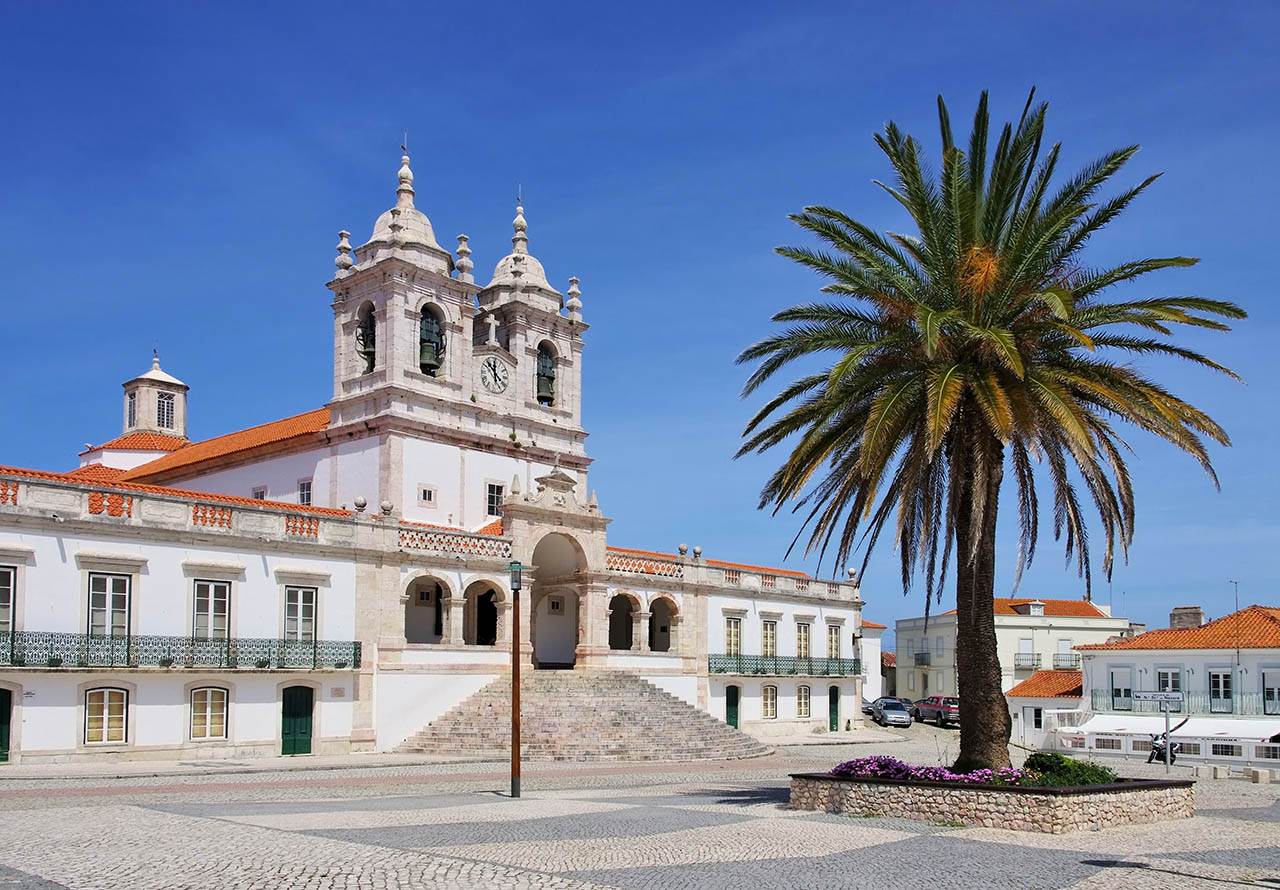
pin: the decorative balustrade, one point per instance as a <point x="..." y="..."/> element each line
<point x="732" y="576"/>
<point x="1026" y="660"/>
<point x="1066" y="661"/>
<point x="1247" y="704"/>
<point x="638" y="563"/>
<point x="783" y="666"/>
<point x="461" y="543"/>
<point x="68" y="650"/>
<point x="301" y="526"/>
<point x="768" y="582"/>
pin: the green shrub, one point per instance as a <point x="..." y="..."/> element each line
<point x="1058" y="770"/>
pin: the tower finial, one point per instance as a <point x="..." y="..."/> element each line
<point x="155" y="357"/>
<point x="344" y="261"/>
<point x="405" y="191"/>
<point x="520" y="241"/>
<point x="574" y="303"/>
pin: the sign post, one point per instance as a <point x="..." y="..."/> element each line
<point x="1166" y="699"/>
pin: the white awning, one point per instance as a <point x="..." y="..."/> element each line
<point x="1255" y="730"/>
<point x="1196" y="728"/>
<point x="1131" y="724"/>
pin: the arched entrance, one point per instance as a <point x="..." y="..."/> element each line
<point x="621" y="622"/>
<point x="662" y="613"/>
<point x="553" y="624"/>
<point x="424" y="611"/>
<point x="480" y="616"/>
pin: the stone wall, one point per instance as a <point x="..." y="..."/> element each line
<point x="1055" y="811"/>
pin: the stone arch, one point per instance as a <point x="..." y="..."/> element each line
<point x="482" y="618"/>
<point x="433" y="321"/>
<point x="663" y="614"/>
<point x="366" y="338"/>
<point x="555" y="599"/>
<point x="426" y="608"/>
<point x="624" y="611"/>
<point x="548" y="363"/>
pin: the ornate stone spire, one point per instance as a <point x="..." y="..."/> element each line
<point x="464" y="264"/>
<point x="519" y="241"/>
<point x="404" y="194"/>
<point x="344" y="261"/>
<point x="574" y="304"/>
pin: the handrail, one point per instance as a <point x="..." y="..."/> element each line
<point x="783" y="665"/>
<point x="51" y="649"/>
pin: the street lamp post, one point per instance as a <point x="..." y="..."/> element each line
<point x="516" y="570"/>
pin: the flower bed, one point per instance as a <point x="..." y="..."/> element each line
<point x="1009" y="798"/>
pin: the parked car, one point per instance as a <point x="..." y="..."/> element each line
<point x="937" y="709"/>
<point x="890" y="712"/>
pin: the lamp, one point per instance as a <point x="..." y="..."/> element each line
<point x="516" y="572"/>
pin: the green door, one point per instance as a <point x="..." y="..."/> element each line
<point x="6" y="711"/>
<point x="833" y="709"/>
<point x="731" y="706"/>
<point x="295" y="724"/>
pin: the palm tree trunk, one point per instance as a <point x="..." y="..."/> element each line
<point x="985" y="724"/>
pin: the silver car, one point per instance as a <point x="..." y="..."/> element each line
<point x="890" y="712"/>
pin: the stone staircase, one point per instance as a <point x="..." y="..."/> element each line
<point x="582" y="715"/>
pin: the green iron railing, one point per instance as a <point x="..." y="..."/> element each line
<point x="783" y="665"/>
<point x="51" y="649"/>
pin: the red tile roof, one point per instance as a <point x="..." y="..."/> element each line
<point x="142" y="442"/>
<point x="1050" y="684"/>
<point x="492" y="528"/>
<point x="889" y="659"/>
<point x="141" y="488"/>
<point x="233" y="443"/>
<point x="1052" y="608"/>
<point x="98" y="472"/>
<point x="631" y="551"/>
<point x="1254" y="627"/>
<point x="866" y="623"/>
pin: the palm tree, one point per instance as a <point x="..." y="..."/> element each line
<point x="981" y="342"/>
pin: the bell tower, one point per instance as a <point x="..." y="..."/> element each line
<point x="156" y="402"/>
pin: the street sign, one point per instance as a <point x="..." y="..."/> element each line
<point x="1171" y="697"/>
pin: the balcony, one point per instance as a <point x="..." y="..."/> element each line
<point x="922" y="659"/>
<point x="1246" y="704"/>
<point x="44" y="649"/>
<point x="1026" y="661"/>
<point x="783" y="666"/>
<point x="1066" y="661"/>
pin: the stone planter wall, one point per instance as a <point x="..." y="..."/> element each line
<point x="1051" y="810"/>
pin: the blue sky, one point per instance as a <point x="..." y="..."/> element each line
<point x="174" y="175"/>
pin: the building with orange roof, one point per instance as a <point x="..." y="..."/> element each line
<point x="1042" y="702"/>
<point x="339" y="579"/>
<point x="1031" y="634"/>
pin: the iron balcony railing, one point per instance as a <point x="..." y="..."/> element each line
<point x="1247" y="704"/>
<point x="1066" y="661"/>
<point x="1026" y="660"/>
<point x="783" y="666"/>
<point x="922" y="659"/>
<point x="68" y="650"/>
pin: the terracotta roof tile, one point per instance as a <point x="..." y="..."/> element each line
<point x="866" y="623"/>
<point x="141" y="488"/>
<point x="233" y="443"/>
<point x="889" y="659"/>
<point x="1254" y="627"/>
<point x="98" y="472"/>
<point x="1050" y="684"/>
<point x="491" y="528"/>
<point x="1052" y="608"/>
<point x="631" y="551"/>
<point x="142" y="442"/>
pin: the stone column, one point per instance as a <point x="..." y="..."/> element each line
<point x="526" y="626"/>
<point x="453" y="620"/>
<point x="504" y="621"/>
<point x="640" y="631"/>
<point x="608" y="622"/>
<point x="673" y="647"/>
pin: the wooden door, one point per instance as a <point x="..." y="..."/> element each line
<point x="731" y="706"/>
<point x="295" y="723"/>
<point x="6" y="715"/>
<point x="833" y="709"/>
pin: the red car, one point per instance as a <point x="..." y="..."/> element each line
<point x="937" y="709"/>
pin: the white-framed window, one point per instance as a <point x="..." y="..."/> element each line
<point x="802" y="641"/>
<point x="212" y="610"/>
<point x="1220" y="692"/>
<point x="494" y="494"/>
<point x="1191" y="748"/>
<point x="1140" y="746"/>
<point x="1075" y="743"/>
<point x="1225" y="750"/>
<point x="209" y="713"/>
<point x="802" y="701"/>
<point x="131" y="415"/>
<point x="1268" y="752"/>
<point x="769" y="702"/>
<point x="833" y="641"/>
<point x="1271" y="692"/>
<point x="911" y="649"/>
<point x="259" y="494"/>
<point x="300" y="613"/>
<point x="1169" y="680"/>
<point x="1122" y="689"/>
<point x="105" y="716"/>
<point x="769" y="638"/>
<point x="164" y="410"/>
<point x="733" y="636"/>
<point x="8" y="587"/>
<point x="108" y="605"/>
<point x="1037" y="718"/>
<point x="939" y="646"/>
<point x="1107" y="744"/>
<point x="427" y="495"/>
<point x="304" y="492"/>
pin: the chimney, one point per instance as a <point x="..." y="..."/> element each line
<point x="1186" y="616"/>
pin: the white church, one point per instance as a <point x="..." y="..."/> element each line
<point x="338" y="581"/>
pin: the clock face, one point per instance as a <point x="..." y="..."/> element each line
<point x="493" y="374"/>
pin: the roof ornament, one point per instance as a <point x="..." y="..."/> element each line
<point x="574" y="304"/>
<point x="519" y="241"/>
<point x="344" y="261"/>
<point x="404" y="194"/>
<point x="464" y="264"/>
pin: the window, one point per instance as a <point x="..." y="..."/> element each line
<point x="911" y="681"/>
<point x="1037" y="718"/>
<point x="430" y="343"/>
<point x="1075" y="743"/>
<point x="1107" y="744"/>
<point x="304" y="492"/>
<point x="546" y="388"/>
<point x="1219" y="750"/>
<point x="426" y="495"/>
<point x="1122" y="689"/>
<point x="367" y="340"/>
<point x="164" y="410"/>
<point x="108" y="605"/>
<point x="8" y="576"/>
<point x="300" y="613"/>
<point x="1140" y="745"/>
<point x="493" y="499"/>
<point x="733" y="636"/>
<point x="1271" y="692"/>
<point x="209" y="713"/>
<point x="769" y="703"/>
<point x="802" y="701"/>
<point x="131" y="412"/>
<point x="769" y="638"/>
<point x="802" y="641"/>
<point x="213" y="600"/>
<point x="104" y="716"/>
<point x="1268" y="752"/>
<point x="259" y="494"/>
<point x="911" y="649"/>
<point x="939" y="646"/>
<point x="1220" y="692"/>
<point x="1191" y="748"/>
<point x="1169" y="680"/>
<point x="833" y="641"/>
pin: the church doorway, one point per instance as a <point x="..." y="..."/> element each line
<point x="553" y="624"/>
<point x="621" y="622"/>
<point x="480" y="617"/>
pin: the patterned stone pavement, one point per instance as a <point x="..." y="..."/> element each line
<point x="633" y="827"/>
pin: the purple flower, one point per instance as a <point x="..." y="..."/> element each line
<point x="884" y="767"/>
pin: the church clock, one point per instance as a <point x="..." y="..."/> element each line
<point x="493" y="374"/>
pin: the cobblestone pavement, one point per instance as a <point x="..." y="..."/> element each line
<point x="634" y="827"/>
